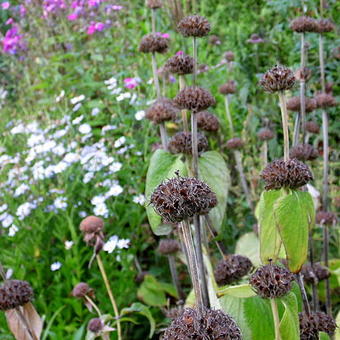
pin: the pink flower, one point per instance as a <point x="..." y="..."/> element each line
<point x="5" y="5"/>
<point x="10" y="21"/>
<point x="72" y="17"/>
<point x="99" y="26"/>
<point x="22" y="10"/>
<point x="13" y="41"/>
<point x="117" y="7"/>
<point x="95" y="27"/>
<point x="180" y="53"/>
<point x="130" y="83"/>
<point x="165" y="35"/>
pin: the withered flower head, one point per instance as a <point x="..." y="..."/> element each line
<point x="207" y="121"/>
<point x="154" y="43"/>
<point x="303" y="152"/>
<point x="232" y="269"/>
<point x="265" y="134"/>
<point x="180" y="198"/>
<point x="314" y="274"/>
<point x="180" y="64"/>
<point x="194" y="98"/>
<point x="271" y="281"/>
<point x="194" y="26"/>
<point x="228" y="88"/>
<point x="202" y="68"/>
<point x="279" y="78"/>
<point x="229" y="56"/>
<point x="308" y="326"/>
<point x="15" y="293"/>
<point x="95" y="325"/>
<point x="304" y="24"/>
<point x="181" y="142"/>
<point x="312" y="127"/>
<point x="92" y="228"/>
<point x="168" y="246"/>
<point x="325" y="323"/>
<point x="154" y="4"/>
<point x="161" y="111"/>
<point x="214" y="40"/>
<point x="235" y="143"/>
<point x="211" y="324"/>
<point x="294" y="104"/>
<point x="255" y="39"/>
<point x="291" y="174"/>
<point x="82" y="289"/>
<point x="303" y="74"/>
<point x="324" y="100"/>
<point x="325" y="218"/>
<point x="329" y="87"/>
<point x="324" y="26"/>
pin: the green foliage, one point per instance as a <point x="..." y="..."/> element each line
<point x="289" y="325"/>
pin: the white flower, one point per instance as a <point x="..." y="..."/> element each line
<point x="6" y="220"/>
<point x="85" y="128"/>
<point x="59" y="150"/>
<point x="82" y="214"/>
<point x="3" y="208"/>
<point x="114" y="191"/>
<point x="18" y="129"/>
<point x="117" y="90"/>
<point x="119" y="142"/>
<point x="71" y="158"/>
<point x="68" y="244"/>
<point x="88" y="176"/>
<point x="95" y="111"/>
<point x="123" y="243"/>
<point x="76" y="107"/>
<point x="24" y="210"/>
<point x="111" y="244"/>
<point x="140" y="115"/>
<point x="35" y="139"/>
<point x="60" y="167"/>
<point x="97" y="200"/>
<point x="77" y="120"/>
<point x="60" y="133"/>
<point x="61" y="95"/>
<point x="115" y="166"/>
<point x="111" y="81"/>
<point x="108" y="128"/>
<point x="21" y="189"/>
<point x="139" y="199"/>
<point x="55" y="266"/>
<point x="78" y="99"/>
<point x="60" y="202"/>
<point x="12" y="230"/>
<point x="101" y="210"/>
<point x="123" y="96"/>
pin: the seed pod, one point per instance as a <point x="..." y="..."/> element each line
<point x="232" y="269"/>
<point x="229" y="56"/>
<point x="95" y="325"/>
<point x="228" y="88"/>
<point x="211" y="324"/>
<point x="325" y="26"/>
<point x="214" y="40"/>
<point x="324" y="100"/>
<point x="312" y="127"/>
<point x="291" y="174"/>
<point x="314" y="274"/>
<point x="194" y="26"/>
<point x="325" y="323"/>
<point x="81" y="289"/>
<point x="265" y="134"/>
<point x="194" y="98"/>
<point x="303" y="152"/>
<point x="325" y="218"/>
<point x="235" y="143"/>
<point x="271" y="281"/>
<point x="279" y="78"/>
<point x="15" y="293"/>
<point x="154" y="4"/>
<point x="161" y="111"/>
<point x="91" y="224"/>
<point x="154" y="43"/>
<point x="304" y="24"/>
<point x="173" y="313"/>
<point x="181" y="142"/>
<point x="308" y="326"/>
<point x="168" y="246"/>
<point x="294" y="104"/>
<point x="207" y="121"/>
<point x="180" y="198"/>
<point x="180" y="64"/>
<point x="303" y="74"/>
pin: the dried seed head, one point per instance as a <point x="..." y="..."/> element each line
<point x="194" y="26"/>
<point x="168" y="246"/>
<point x="325" y="25"/>
<point x="265" y="134"/>
<point x="312" y="127"/>
<point x="180" y="64"/>
<point x="228" y="88"/>
<point x="271" y="281"/>
<point x="207" y="121"/>
<point x="181" y="142"/>
<point x="81" y="289"/>
<point x="325" y="323"/>
<point x="180" y="198"/>
<point x="161" y="111"/>
<point x="91" y="224"/>
<point x="154" y="43"/>
<point x="294" y="104"/>
<point x="291" y="174"/>
<point x="15" y="293"/>
<point x="324" y="100"/>
<point x="308" y="326"/>
<point x="229" y="56"/>
<point x="95" y="325"/>
<point x="255" y="39"/>
<point x="304" y="24"/>
<point x="232" y="269"/>
<point x="211" y="324"/>
<point x="303" y="152"/>
<point x="173" y="313"/>
<point x="329" y="87"/>
<point x="235" y="143"/>
<point x="279" y="78"/>
<point x="214" y="40"/>
<point x="314" y="274"/>
<point x="303" y="74"/>
<point x="194" y="98"/>
<point x="154" y="4"/>
<point x="325" y="218"/>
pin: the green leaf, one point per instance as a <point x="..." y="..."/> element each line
<point x="214" y="171"/>
<point x="162" y="166"/>
<point x="241" y="291"/>
<point x="289" y="325"/>
<point x="249" y="245"/>
<point x="293" y="219"/>
<point x="270" y="241"/>
<point x="324" y="336"/>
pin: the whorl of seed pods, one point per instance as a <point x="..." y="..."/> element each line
<point x="329" y="87"/>
<point x="291" y="174"/>
<point x="271" y="281"/>
<point x="325" y="323"/>
<point x="235" y="143"/>
<point x="161" y="110"/>
<point x="180" y="198"/>
<point x="211" y="324"/>
<point x="180" y="64"/>
<point x="303" y="74"/>
<point x="294" y="104"/>
<point x="228" y="88"/>
<point x="314" y="274"/>
<point x="325" y="26"/>
<point x="232" y="269"/>
<point x="154" y="43"/>
<point x="324" y="100"/>
<point x="154" y="4"/>
<point x="181" y="142"/>
<point x="278" y="78"/>
<point x="194" y="98"/>
<point x="304" y="24"/>
<point x="265" y="134"/>
<point x="194" y="26"/>
<point x="81" y="289"/>
<point x="15" y="293"/>
<point x="214" y="40"/>
<point x="303" y="152"/>
<point x="255" y="39"/>
<point x="207" y="121"/>
<point x="312" y="127"/>
<point x="168" y="246"/>
<point x="308" y="326"/>
<point x="92" y="228"/>
<point x="325" y="218"/>
<point x="95" y="325"/>
<point x="229" y="56"/>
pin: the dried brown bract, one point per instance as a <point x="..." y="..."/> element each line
<point x="325" y="218"/>
<point x="324" y="100"/>
<point x="235" y="143"/>
<point x="279" y="78"/>
<point x="265" y="134"/>
<point x="154" y="43"/>
<point x="154" y="4"/>
<point x="194" y="26"/>
<point x="294" y="104"/>
<point x="207" y="121"/>
<point x="228" y="88"/>
<point x="181" y="142"/>
<point x="304" y="24"/>
<point x="168" y="246"/>
<point x="314" y="274"/>
<point x="304" y="152"/>
<point x="303" y="74"/>
<point x="15" y="293"/>
<point x="325" y="26"/>
<point x="162" y="110"/>
<point x="180" y="64"/>
<point x="312" y="127"/>
<point x="229" y="56"/>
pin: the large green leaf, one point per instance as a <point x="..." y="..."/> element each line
<point x="214" y="171"/>
<point x="270" y="241"/>
<point x="249" y="245"/>
<point x="162" y="166"/>
<point x="289" y="325"/>
<point x="293" y="217"/>
<point x="240" y="291"/>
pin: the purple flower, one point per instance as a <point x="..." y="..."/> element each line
<point x="5" y="5"/>
<point x="72" y="17"/>
<point x="117" y="7"/>
<point x="180" y="53"/>
<point x="13" y="41"/>
<point x="95" y="27"/>
<point x="22" y="10"/>
<point x="130" y="83"/>
<point x="53" y="6"/>
<point x="10" y="21"/>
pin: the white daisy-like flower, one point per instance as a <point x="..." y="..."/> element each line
<point x="77" y="120"/>
<point x="78" y="99"/>
<point x="60" y="97"/>
<point x="60" y="203"/>
<point x="116" y="190"/>
<point x="85" y="128"/>
<point x="123" y="243"/>
<point x="87" y="177"/>
<point x="101" y="210"/>
<point x="119" y="142"/>
<point x="115" y="166"/>
<point x="139" y="115"/>
<point x="55" y="266"/>
<point x="12" y="230"/>
<point x="111" y="244"/>
<point x="21" y="189"/>
<point x="77" y="107"/>
<point x="3" y="207"/>
<point x="6" y="220"/>
<point x="139" y="199"/>
<point x="68" y="244"/>
<point x="95" y="111"/>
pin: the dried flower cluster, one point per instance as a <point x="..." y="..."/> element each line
<point x="181" y="142"/>
<point x="314" y="274"/>
<point x="303" y="74"/>
<point x="324" y="100"/>
<point x="95" y="325"/>
<point x="229" y="56"/>
<point x="325" y="217"/>
<point x="154" y="4"/>
<point x="15" y="293"/>
<point x="265" y="134"/>
<point x="154" y="43"/>
<point x="168" y="246"/>
<point x="235" y="143"/>
<point x="161" y="111"/>
<point x="312" y="127"/>
<point x="279" y="78"/>
<point x="207" y="121"/>
<point x="180" y="64"/>
<point x="325" y="26"/>
<point x="92" y="229"/>
<point x="294" y="104"/>
<point x="228" y="88"/>
<point x="194" y="26"/>
<point x="304" y="24"/>
<point x="304" y="152"/>
<point x="311" y="325"/>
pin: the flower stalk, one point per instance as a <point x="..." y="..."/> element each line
<point x="276" y="318"/>
<point x="183" y="112"/>
<point x="175" y="279"/>
<point x="284" y="116"/>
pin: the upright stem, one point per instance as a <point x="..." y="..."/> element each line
<point x="194" y="48"/>
<point x="91" y="302"/>
<point x="265" y="153"/>
<point x="227" y="111"/>
<point x="109" y="291"/>
<point x="325" y="257"/>
<point x="276" y="319"/>
<point x="325" y="124"/>
<point x="174" y="276"/>
<point x="214" y="234"/>
<point x="284" y="115"/>
<point x="183" y="112"/>
<point x="306" y="306"/>
<point x="314" y="283"/>
<point x="153" y="20"/>
<point x="194" y="144"/>
<point x="322" y="64"/>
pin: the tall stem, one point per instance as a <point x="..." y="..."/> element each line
<point x="174" y="276"/>
<point x="306" y="306"/>
<point x="325" y="257"/>
<point x="314" y="283"/>
<point x="194" y="144"/>
<point x="91" y="302"/>
<point x="325" y="160"/>
<point x="194" y="48"/>
<point x="109" y="291"/>
<point x="284" y="115"/>
<point x="214" y="234"/>
<point x="153" y="20"/>
<point x="322" y="64"/>
<point x="265" y="154"/>
<point x="183" y="112"/>
<point x="227" y="111"/>
<point x="276" y="319"/>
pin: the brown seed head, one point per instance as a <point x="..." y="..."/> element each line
<point x="181" y="142"/>
<point x="255" y="39"/>
<point x="314" y="274"/>
<point x="303" y="74"/>
<point x="91" y="224"/>
<point x="329" y="87"/>
<point x="81" y="289"/>
<point x="194" y="26"/>
<point x="154" y="43"/>
<point x="154" y="4"/>
<point x="308" y="326"/>
<point x="228" y="88"/>
<point x="161" y="111"/>
<point x="304" y="24"/>
<point x="325" y="323"/>
<point x="180" y="64"/>
<point x="325" y="218"/>
<point x="229" y="56"/>
<point x="312" y="127"/>
<point x="279" y="78"/>
<point x="294" y="104"/>
<point x="214" y="40"/>
<point x="15" y="293"/>
<point x="207" y="121"/>
<point x="95" y="325"/>
<point x="325" y="26"/>
<point x="168" y="246"/>
<point x="324" y="100"/>
<point x="303" y="152"/>
<point x="235" y="143"/>
<point x="265" y="134"/>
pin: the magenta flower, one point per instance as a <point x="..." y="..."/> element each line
<point x="10" y="21"/>
<point x="95" y="27"/>
<point x="13" y="42"/>
<point x="22" y="10"/>
<point x="117" y="7"/>
<point x="130" y="83"/>
<point x="72" y="17"/>
<point x="180" y="53"/>
<point x="5" y="5"/>
<point x="165" y="35"/>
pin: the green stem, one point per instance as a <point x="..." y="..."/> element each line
<point x="194" y="48"/>
<point x="284" y="115"/>
<point x="227" y="111"/>
<point x="91" y="302"/>
<point x="183" y="112"/>
<point x="174" y="276"/>
<point x="276" y="319"/>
